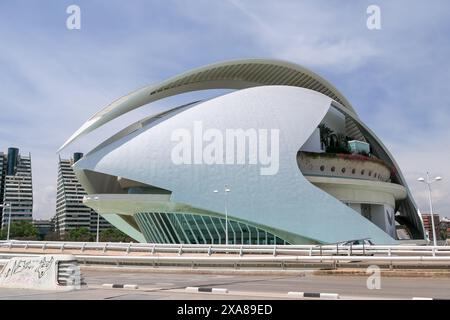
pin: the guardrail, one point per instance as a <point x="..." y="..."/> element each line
<point x="260" y="261"/>
<point x="241" y="250"/>
<point x="283" y="256"/>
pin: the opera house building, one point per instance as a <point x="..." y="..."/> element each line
<point x="281" y="157"/>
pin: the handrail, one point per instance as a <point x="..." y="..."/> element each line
<point x="125" y="244"/>
<point x="242" y="260"/>
<point x="241" y="250"/>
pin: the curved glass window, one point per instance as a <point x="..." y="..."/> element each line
<point x="164" y="227"/>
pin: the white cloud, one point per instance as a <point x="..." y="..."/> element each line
<point x="309" y="33"/>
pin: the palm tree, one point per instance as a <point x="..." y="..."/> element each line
<point x="325" y="134"/>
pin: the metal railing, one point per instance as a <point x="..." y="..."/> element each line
<point x="284" y="256"/>
<point x="283" y="262"/>
<point x="241" y="250"/>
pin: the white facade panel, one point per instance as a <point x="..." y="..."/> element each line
<point x="297" y="206"/>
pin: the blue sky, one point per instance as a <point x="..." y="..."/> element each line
<point x="53" y="79"/>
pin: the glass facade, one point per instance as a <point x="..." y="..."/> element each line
<point x="163" y="227"/>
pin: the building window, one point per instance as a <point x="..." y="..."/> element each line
<point x="322" y="168"/>
<point x="362" y="172"/>
<point x="343" y="170"/>
<point x="332" y="169"/>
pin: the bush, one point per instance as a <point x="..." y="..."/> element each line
<point x="80" y="234"/>
<point x="20" y="230"/>
<point x="52" y="236"/>
<point x="114" y="235"/>
<point x="338" y="149"/>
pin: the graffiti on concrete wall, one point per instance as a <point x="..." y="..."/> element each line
<point x="43" y="266"/>
<point x="47" y="272"/>
<point x="36" y="266"/>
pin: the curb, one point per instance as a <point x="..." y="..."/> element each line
<point x="120" y="286"/>
<point x="328" y="296"/>
<point x="403" y="273"/>
<point x="204" y="289"/>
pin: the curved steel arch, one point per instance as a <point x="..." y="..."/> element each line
<point x="235" y="74"/>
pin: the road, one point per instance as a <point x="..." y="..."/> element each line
<point x="172" y="286"/>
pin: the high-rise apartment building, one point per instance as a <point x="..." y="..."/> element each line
<point x="16" y="187"/>
<point x="428" y="225"/>
<point x="70" y="211"/>
<point x="2" y="177"/>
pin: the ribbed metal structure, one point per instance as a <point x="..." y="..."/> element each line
<point x="164" y="227"/>
<point x="236" y="74"/>
<point x="258" y="73"/>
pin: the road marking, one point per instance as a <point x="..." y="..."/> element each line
<point x="120" y="286"/>
<point x="317" y="295"/>
<point x="205" y="289"/>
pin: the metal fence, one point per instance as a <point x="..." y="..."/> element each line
<point x="237" y="256"/>
<point x="241" y="250"/>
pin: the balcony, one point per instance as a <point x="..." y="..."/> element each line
<point x="351" y="166"/>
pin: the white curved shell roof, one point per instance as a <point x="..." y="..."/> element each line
<point x="238" y="74"/>
<point x="285" y="201"/>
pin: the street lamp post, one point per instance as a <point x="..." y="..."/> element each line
<point x="19" y="184"/>
<point x="19" y="200"/>
<point x="98" y="222"/>
<point x="227" y="190"/>
<point x="9" y="206"/>
<point x="428" y="183"/>
<point x="9" y="220"/>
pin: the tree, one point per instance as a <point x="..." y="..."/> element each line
<point x="333" y="142"/>
<point x="52" y="236"/>
<point x="443" y="234"/>
<point x="80" y="234"/>
<point x="337" y="143"/>
<point x="325" y="133"/>
<point x="21" y="230"/>
<point x="114" y="235"/>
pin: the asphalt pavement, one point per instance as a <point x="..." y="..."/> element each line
<point x="162" y="285"/>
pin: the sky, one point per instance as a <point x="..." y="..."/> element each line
<point x="53" y="79"/>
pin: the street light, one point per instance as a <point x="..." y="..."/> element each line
<point x="22" y="178"/>
<point x="429" y="182"/>
<point x="98" y="221"/>
<point x="9" y="217"/>
<point x="9" y="220"/>
<point x="227" y="190"/>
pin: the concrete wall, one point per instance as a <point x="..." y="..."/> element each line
<point x="327" y="165"/>
<point x="355" y="206"/>
<point x="383" y="217"/>
<point x="41" y="273"/>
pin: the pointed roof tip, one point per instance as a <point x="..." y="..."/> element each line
<point x="62" y="147"/>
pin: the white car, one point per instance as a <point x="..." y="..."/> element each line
<point x="357" y="247"/>
<point x="365" y="242"/>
